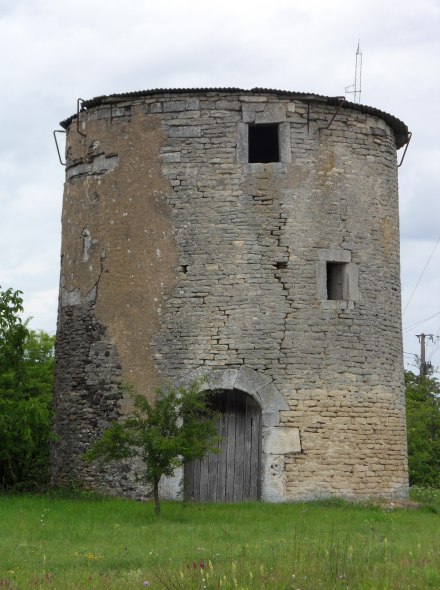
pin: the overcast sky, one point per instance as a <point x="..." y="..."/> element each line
<point x="54" y="52"/>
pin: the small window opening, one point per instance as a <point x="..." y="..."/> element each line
<point x="336" y="280"/>
<point x="264" y="145"/>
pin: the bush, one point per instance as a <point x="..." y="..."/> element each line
<point x="423" y="426"/>
<point x="26" y="383"/>
<point x="426" y="495"/>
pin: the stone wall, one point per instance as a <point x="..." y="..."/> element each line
<point x="180" y="257"/>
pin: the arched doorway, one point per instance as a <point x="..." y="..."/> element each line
<point x="234" y="474"/>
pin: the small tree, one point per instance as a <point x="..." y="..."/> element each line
<point x="179" y="428"/>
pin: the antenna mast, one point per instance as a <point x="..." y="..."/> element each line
<point x="356" y="88"/>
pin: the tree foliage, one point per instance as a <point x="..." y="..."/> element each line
<point x="423" y="426"/>
<point x="180" y="427"/>
<point x="26" y="382"/>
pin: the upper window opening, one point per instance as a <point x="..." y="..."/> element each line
<point x="264" y="145"/>
<point x="336" y="280"/>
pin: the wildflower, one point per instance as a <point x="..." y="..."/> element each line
<point x="202" y="565"/>
<point x="88" y="556"/>
<point x="146" y="583"/>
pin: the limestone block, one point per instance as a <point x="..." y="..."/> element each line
<point x="272" y="113"/>
<point x="285" y="143"/>
<point x="242" y="143"/>
<point x="156" y="107"/>
<point x="171" y="157"/>
<point x="249" y="111"/>
<point x="270" y="418"/>
<point x="174" y="106"/>
<point x="335" y="255"/>
<point x="250" y="381"/>
<point x="246" y="98"/>
<point x="224" y="379"/>
<point x="192" y="103"/>
<point x="273" y="478"/>
<point x="271" y="399"/>
<point x="281" y="440"/>
<point x="185" y="131"/>
<point x="71" y="297"/>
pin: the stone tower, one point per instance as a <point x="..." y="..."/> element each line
<point x="250" y="236"/>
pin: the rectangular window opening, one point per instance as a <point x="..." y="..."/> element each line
<point x="264" y="145"/>
<point x="336" y="281"/>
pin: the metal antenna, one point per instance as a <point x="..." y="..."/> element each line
<point x="356" y="88"/>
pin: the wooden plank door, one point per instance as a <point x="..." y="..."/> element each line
<point x="232" y="475"/>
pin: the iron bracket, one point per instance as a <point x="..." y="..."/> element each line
<point x="80" y="100"/>
<point x="406" y="147"/>
<point x="56" y="143"/>
<point x="342" y="100"/>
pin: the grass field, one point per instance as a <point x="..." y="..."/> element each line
<point x="101" y="543"/>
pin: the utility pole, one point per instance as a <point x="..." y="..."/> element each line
<point x="424" y="366"/>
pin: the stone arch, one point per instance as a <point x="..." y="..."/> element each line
<point x="276" y="440"/>
<point x="258" y="385"/>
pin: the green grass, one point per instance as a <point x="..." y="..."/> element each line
<point x="92" y="543"/>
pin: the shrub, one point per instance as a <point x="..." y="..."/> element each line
<point x="423" y="426"/>
<point x="26" y="382"/>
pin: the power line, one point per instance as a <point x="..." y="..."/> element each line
<point x="435" y="347"/>
<point x="438" y="332"/>
<point x="421" y="275"/>
<point x="421" y="322"/>
<point x="433" y="351"/>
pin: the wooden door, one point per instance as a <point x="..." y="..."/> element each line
<point x="232" y="475"/>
